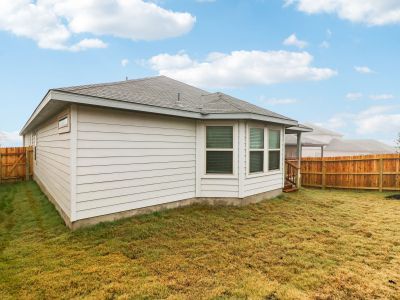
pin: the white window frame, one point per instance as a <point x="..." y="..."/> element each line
<point x="275" y="150"/>
<point x="64" y="128"/>
<point x="267" y="128"/>
<point x="249" y="150"/>
<point x="234" y="150"/>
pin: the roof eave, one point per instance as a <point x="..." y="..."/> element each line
<point x="46" y="99"/>
<point x="57" y="95"/>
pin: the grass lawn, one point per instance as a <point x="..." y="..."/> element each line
<point x="307" y="245"/>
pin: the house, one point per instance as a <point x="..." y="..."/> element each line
<point x="321" y="142"/>
<point x="106" y="151"/>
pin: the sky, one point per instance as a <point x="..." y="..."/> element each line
<point x="330" y="62"/>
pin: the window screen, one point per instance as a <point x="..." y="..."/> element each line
<point x="219" y="150"/>
<point x="274" y="152"/>
<point x="256" y="161"/>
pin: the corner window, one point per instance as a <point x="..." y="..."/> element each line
<point x="219" y="150"/>
<point x="274" y="150"/>
<point x="256" y="161"/>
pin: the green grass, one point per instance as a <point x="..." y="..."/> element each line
<point x="307" y="245"/>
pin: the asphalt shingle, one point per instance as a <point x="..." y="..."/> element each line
<point x="162" y="91"/>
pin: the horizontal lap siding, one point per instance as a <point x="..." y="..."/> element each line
<point x="219" y="187"/>
<point x="52" y="165"/>
<point x="129" y="160"/>
<point x="257" y="185"/>
<point x="267" y="182"/>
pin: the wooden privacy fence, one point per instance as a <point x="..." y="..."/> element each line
<point x="16" y="164"/>
<point x="370" y="172"/>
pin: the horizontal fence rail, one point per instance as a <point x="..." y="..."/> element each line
<point x="369" y="172"/>
<point x="16" y="164"/>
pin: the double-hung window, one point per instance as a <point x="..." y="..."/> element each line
<point x="256" y="161"/>
<point x="274" y="149"/>
<point x="219" y="150"/>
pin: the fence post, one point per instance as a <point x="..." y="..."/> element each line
<point x="380" y="174"/>
<point x="323" y="174"/>
<point x="27" y="161"/>
<point x="1" y="167"/>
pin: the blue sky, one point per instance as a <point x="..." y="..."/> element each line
<point x="327" y="62"/>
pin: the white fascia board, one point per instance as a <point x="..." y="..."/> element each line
<point x="41" y="105"/>
<point x="249" y="116"/>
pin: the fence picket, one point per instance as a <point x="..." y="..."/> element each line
<point x="15" y="164"/>
<point x="378" y="172"/>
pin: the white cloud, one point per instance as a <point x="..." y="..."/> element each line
<point x="276" y="101"/>
<point x="168" y="62"/>
<point x="383" y="120"/>
<point x="378" y="119"/>
<point x="240" y="68"/>
<point x="124" y="62"/>
<point x="371" y="12"/>
<point x="52" y="23"/>
<point x="363" y="70"/>
<point x="381" y="97"/>
<point x="10" y="139"/>
<point x="88" y="44"/>
<point x="353" y="96"/>
<point x="292" y="40"/>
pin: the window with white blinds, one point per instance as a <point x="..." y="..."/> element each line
<point x="256" y="161"/>
<point x="274" y="149"/>
<point x="219" y="150"/>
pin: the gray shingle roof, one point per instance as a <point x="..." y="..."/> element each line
<point x="162" y="91"/>
<point x="359" y="145"/>
<point x="291" y="139"/>
<point x="317" y="130"/>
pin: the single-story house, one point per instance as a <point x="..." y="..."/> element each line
<point x="322" y="142"/>
<point x="106" y="151"/>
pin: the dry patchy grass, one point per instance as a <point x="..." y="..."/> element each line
<point x="308" y="245"/>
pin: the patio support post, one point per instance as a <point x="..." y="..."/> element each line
<point x="299" y="154"/>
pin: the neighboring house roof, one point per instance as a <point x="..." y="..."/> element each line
<point x="161" y="95"/>
<point x="291" y="139"/>
<point x="300" y="128"/>
<point x="317" y="130"/>
<point x="359" y="146"/>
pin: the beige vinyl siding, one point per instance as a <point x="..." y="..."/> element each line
<point x="261" y="184"/>
<point x="219" y="187"/>
<point x="52" y="165"/>
<point x="128" y="160"/>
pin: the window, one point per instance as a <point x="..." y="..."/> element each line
<point x="219" y="150"/>
<point x="274" y="150"/>
<point x="256" y="161"/>
<point x="63" y="122"/>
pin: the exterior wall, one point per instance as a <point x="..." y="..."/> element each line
<point x="291" y="151"/>
<point x="241" y="184"/>
<point x="268" y="180"/>
<point x="216" y="185"/>
<point x="52" y="164"/>
<point x="312" y="152"/>
<point x="114" y="161"/>
<point x="127" y="160"/>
